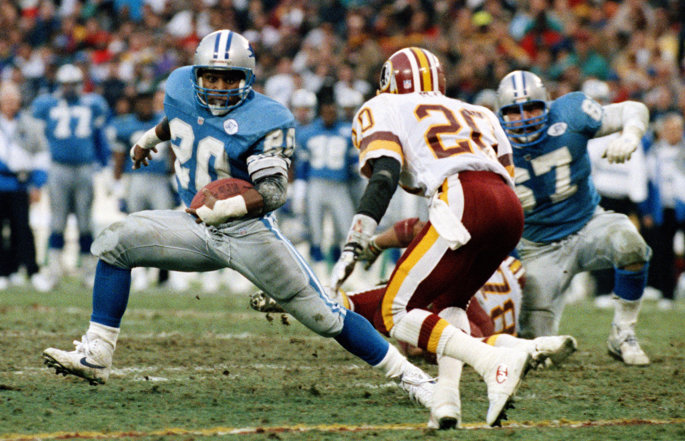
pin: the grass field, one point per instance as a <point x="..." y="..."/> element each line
<point x="201" y="367"/>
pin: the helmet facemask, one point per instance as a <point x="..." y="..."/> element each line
<point x="221" y="101"/>
<point x="519" y="93"/>
<point x="523" y="132"/>
<point x="223" y="50"/>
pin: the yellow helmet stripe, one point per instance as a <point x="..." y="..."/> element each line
<point x="424" y="70"/>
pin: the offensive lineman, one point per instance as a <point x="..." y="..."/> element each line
<point x="566" y="232"/>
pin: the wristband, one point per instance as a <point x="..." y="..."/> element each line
<point x="223" y="210"/>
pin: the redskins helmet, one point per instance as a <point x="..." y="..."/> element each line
<point x="412" y="69"/>
<point x="223" y="50"/>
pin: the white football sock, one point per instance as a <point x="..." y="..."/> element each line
<point x="626" y="312"/>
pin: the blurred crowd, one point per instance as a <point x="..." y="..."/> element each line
<point x="635" y="45"/>
<point x="636" y="48"/>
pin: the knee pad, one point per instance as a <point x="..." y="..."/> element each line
<point x="630" y="285"/>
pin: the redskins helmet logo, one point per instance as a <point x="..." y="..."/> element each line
<point x="412" y="69"/>
<point x="386" y="76"/>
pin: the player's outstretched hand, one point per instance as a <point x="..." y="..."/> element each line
<point x="620" y="149"/>
<point x="140" y="156"/>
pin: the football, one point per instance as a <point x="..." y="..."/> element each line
<point x="221" y="189"/>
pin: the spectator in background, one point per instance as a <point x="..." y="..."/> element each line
<point x="666" y="164"/>
<point x="587" y="57"/>
<point x="281" y="85"/>
<point x="543" y="29"/>
<point x="23" y="170"/>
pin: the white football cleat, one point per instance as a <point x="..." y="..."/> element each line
<point x="42" y="282"/>
<point x="623" y="345"/>
<point x="92" y="360"/>
<point x="446" y="400"/>
<point x="503" y="378"/>
<point x="418" y="385"/>
<point x="445" y="417"/>
<point x="553" y="349"/>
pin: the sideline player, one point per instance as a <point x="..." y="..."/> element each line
<point x="220" y="127"/>
<point x="74" y="124"/>
<point x="124" y="131"/>
<point x="457" y="156"/>
<point x="566" y="231"/>
<point x="325" y="162"/>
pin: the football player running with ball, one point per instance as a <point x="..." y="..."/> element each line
<point x="219" y="127"/>
<point x="458" y="157"/>
<point x="566" y="232"/>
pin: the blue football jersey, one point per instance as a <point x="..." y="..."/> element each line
<point x="126" y="130"/>
<point x="74" y="128"/>
<point x="553" y="176"/>
<point x="209" y="147"/>
<point x="325" y="152"/>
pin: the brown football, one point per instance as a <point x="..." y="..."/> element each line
<point x="221" y="189"/>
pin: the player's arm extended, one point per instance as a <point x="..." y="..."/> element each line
<point x="141" y="152"/>
<point x="632" y="119"/>
<point x="385" y="176"/>
<point x="399" y="235"/>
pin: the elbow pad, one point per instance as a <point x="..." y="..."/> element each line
<point x="381" y="187"/>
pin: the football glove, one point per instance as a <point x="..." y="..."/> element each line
<point x="620" y="149"/>
<point x="358" y="238"/>
<point x="370" y="254"/>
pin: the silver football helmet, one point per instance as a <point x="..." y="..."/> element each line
<point x="70" y="80"/>
<point x="521" y="91"/>
<point x="223" y="50"/>
<point x="306" y="100"/>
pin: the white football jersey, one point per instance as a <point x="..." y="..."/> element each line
<point x="501" y="296"/>
<point x="432" y="136"/>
